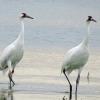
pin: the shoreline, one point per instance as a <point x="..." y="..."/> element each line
<point x="39" y="73"/>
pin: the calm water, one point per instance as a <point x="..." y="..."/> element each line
<point x="57" y="23"/>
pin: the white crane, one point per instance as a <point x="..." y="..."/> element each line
<point x="76" y="58"/>
<point x="13" y="53"/>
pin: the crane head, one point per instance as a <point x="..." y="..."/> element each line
<point x="24" y="15"/>
<point x="90" y="18"/>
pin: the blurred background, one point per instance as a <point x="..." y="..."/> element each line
<point x="57" y="23"/>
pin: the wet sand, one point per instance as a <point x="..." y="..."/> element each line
<point x="38" y="77"/>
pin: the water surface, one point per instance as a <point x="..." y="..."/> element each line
<point x="57" y="26"/>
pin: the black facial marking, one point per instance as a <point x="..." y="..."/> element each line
<point x="89" y="18"/>
<point x="23" y="15"/>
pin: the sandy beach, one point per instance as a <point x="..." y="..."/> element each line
<point x="38" y="77"/>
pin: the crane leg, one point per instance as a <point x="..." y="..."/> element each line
<point x="10" y="79"/>
<point x="77" y="83"/>
<point x="70" y="96"/>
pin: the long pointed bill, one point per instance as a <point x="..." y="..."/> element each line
<point x="29" y="17"/>
<point x="94" y="20"/>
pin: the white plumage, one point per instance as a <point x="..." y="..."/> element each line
<point x="76" y="58"/>
<point x="13" y="53"/>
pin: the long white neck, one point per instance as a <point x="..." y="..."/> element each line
<point x="20" y="38"/>
<point x="86" y="40"/>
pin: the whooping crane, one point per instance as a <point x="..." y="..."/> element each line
<point x="76" y="58"/>
<point x="13" y="53"/>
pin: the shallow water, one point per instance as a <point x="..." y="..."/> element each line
<point x="58" y="26"/>
<point x="46" y="91"/>
<point x="38" y="78"/>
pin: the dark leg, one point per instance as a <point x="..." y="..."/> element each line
<point x="10" y="79"/>
<point x="77" y="83"/>
<point x="70" y="97"/>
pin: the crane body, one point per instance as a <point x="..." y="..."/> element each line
<point x="13" y="53"/>
<point x="76" y="58"/>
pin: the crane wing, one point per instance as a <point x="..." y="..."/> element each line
<point x="7" y="53"/>
<point x="75" y="58"/>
